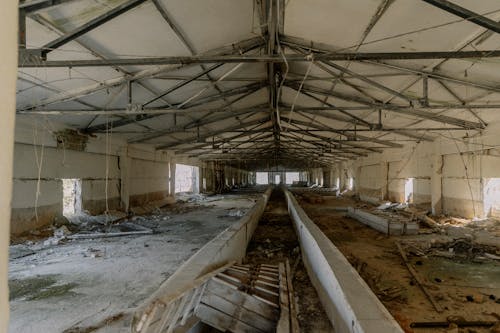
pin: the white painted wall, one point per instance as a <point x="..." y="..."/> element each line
<point x="148" y="176"/>
<point x="458" y="185"/>
<point x="135" y="174"/>
<point x="8" y="75"/>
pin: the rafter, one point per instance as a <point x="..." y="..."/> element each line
<point x="189" y="60"/>
<point x="193" y="124"/>
<point x="36" y="5"/>
<point x="50" y="25"/>
<point x="143" y="116"/>
<point x="357" y="137"/>
<point x="397" y="109"/>
<point x="240" y="47"/>
<point x="222" y="140"/>
<point x="91" y="25"/>
<point x="328" y="139"/>
<point x="469" y="15"/>
<point x="213" y="133"/>
<point x="356" y="119"/>
<point x="320" y="48"/>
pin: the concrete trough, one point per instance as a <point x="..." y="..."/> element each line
<point x="349" y="303"/>
<point x="229" y="246"/>
<point x="385" y="225"/>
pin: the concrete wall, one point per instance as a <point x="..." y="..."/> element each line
<point x="8" y="70"/>
<point x="117" y="177"/>
<point x="231" y="176"/>
<point x="452" y="175"/>
<point x="149" y="181"/>
<point x="56" y="164"/>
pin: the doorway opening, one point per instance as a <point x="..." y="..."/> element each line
<point x="186" y="178"/>
<point x="491" y="197"/>
<point x="409" y="190"/>
<point x="72" y="196"/>
<point x="277" y="179"/>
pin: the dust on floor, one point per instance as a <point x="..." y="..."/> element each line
<point x="74" y="285"/>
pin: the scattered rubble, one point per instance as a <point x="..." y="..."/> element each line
<point x="455" y="260"/>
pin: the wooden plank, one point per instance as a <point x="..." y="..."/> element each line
<point x="190" y="305"/>
<point x="249" y="302"/>
<point x="166" y="317"/>
<point x="294" y="322"/>
<point x="284" y="321"/>
<point x="238" y="312"/>
<point x="220" y="320"/>
<point x="180" y="308"/>
<point x="147" y="318"/>
<point x="418" y="279"/>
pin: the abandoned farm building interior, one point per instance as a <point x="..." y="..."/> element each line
<point x="250" y="166"/>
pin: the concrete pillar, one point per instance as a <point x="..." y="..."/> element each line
<point x="8" y="68"/>
<point x="327" y="178"/>
<point x="384" y="180"/>
<point x="171" y="181"/>
<point x="195" y="180"/>
<point x="342" y="176"/>
<point x="437" y="183"/>
<point x="335" y="176"/>
<point x="125" y="165"/>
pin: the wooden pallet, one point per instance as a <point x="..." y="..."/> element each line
<point x="235" y="298"/>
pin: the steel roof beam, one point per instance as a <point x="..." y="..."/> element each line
<point x="220" y="141"/>
<point x="239" y="47"/>
<point x="356" y="119"/>
<point x="464" y="13"/>
<point x="144" y="116"/>
<point x="36" y="5"/>
<point x="397" y="109"/>
<point x="213" y="133"/>
<point x="326" y="129"/>
<point x="91" y="25"/>
<point x="193" y="124"/>
<point x="189" y="60"/>
<point x="357" y="136"/>
<point x="321" y="48"/>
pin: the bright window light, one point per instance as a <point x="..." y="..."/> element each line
<point x="262" y="178"/>
<point x="291" y="177"/>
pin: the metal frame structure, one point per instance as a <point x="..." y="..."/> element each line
<point x="274" y="130"/>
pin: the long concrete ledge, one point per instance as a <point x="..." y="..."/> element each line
<point x="385" y="225"/>
<point x="348" y="301"/>
<point x="230" y="245"/>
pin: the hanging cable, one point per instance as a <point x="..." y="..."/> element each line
<point x="39" y="164"/>
<point x="310" y="57"/>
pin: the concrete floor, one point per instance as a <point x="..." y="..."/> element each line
<point x="79" y="283"/>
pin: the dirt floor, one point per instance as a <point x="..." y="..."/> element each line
<point x="275" y="241"/>
<point x="454" y="271"/>
<point x="58" y="284"/>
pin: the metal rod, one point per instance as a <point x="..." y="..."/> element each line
<point x="462" y="12"/>
<point x="92" y="24"/>
<point x="185" y="60"/>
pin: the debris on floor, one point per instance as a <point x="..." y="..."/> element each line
<point x="451" y="266"/>
<point x="86" y="279"/>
